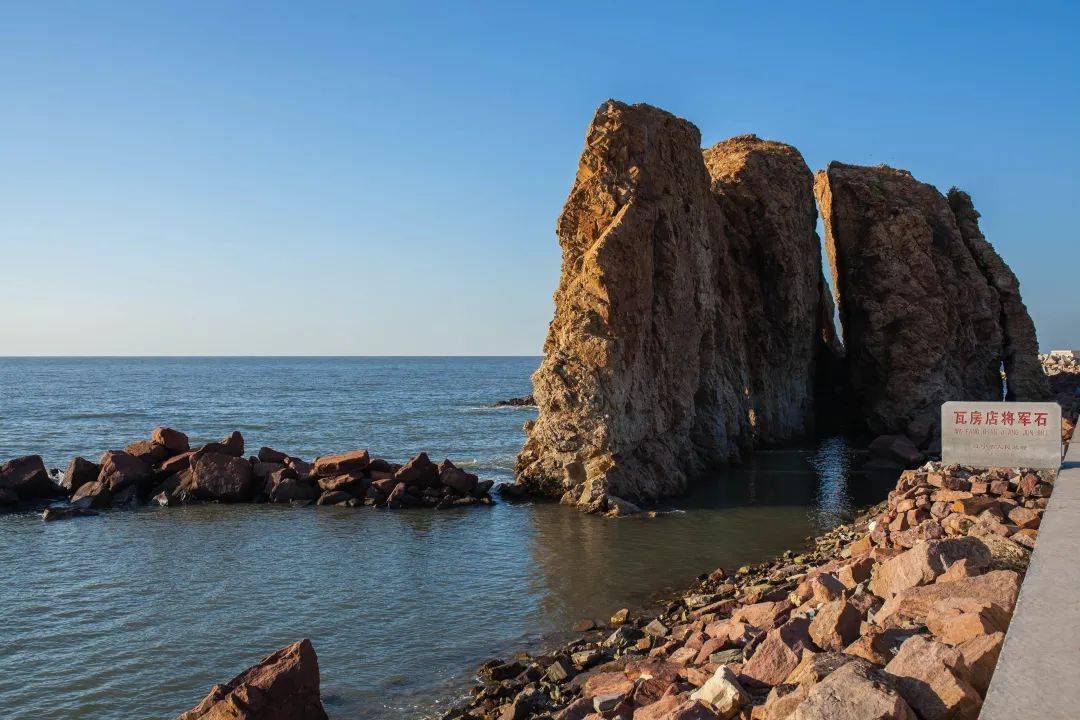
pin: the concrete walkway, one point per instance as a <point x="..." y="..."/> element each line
<point x="1038" y="673"/>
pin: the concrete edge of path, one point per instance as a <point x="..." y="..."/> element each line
<point x="1038" y="673"/>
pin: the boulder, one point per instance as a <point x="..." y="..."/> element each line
<point x="835" y="625"/>
<point x="779" y="653"/>
<point x="923" y="563"/>
<point x="855" y="691"/>
<point x="65" y="511"/>
<point x="354" y="484"/>
<point x="221" y="477"/>
<point x="174" y="440"/>
<point x="8" y="498"/>
<point x="980" y="655"/>
<point x="997" y="587"/>
<point x="233" y="444"/>
<point x="121" y="469"/>
<point x="930" y="676"/>
<point x="674" y="346"/>
<point x="457" y="479"/>
<point x="27" y="478"/>
<point x="352" y="462"/>
<point x="763" y="615"/>
<point x="175" y="464"/>
<point x="94" y="495"/>
<point x="79" y="472"/>
<point x="334" y="497"/>
<point x="723" y="693"/>
<point x="285" y="487"/>
<point x="148" y="451"/>
<point x="922" y="320"/>
<point x="418" y="471"/>
<point x="270" y="455"/>
<point x="284" y="686"/>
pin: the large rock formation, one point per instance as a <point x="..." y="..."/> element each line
<point x="686" y="317"/>
<point x="921" y="302"/>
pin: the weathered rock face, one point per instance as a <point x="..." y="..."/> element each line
<point x="921" y="302"/>
<point x="284" y="686"/>
<point x="1025" y="379"/>
<point x="668" y="289"/>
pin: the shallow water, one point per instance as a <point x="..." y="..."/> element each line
<point x="136" y="614"/>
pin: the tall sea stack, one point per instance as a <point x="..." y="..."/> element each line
<point x="687" y="316"/>
<point x="929" y="310"/>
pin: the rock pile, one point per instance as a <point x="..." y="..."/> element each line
<point x="284" y="686"/>
<point x="898" y="616"/>
<point x="167" y="471"/>
<point x="1062" y="369"/>
<point x="688" y="314"/>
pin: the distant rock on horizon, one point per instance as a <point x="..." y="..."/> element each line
<point x="688" y="316"/>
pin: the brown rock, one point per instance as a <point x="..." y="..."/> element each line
<point x="419" y="471"/>
<point x="353" y="484"/>
<point x="175" y="464"/>
<point x="284" y="686"/>
<point x="930" y="676"/>
<point x="355" y="461"/>
<point x="94" y="495"/>
<point x="922" y="321"/>
<point x="779" y="653"/>
<point x="233" y="444"/>
<point x="120" y="470"/>
<point x="764" y="615"/>
<point x="607" y="683"/>
<point x="79" y="472"/>
<point x="855" y="691"/>
<point x="457" y="479"/>
<point x="1024" y="372"/>
<point x="670" y="323"/>
<point x="878" y="645"/>
<point x="836" y="625"/>
<point x="1024" y="517"/>
<point x="334" y="497"/>
<point x="285" y="487"/>
<point x="27" y="478"/>
<point x="980" y="655"/>
<point x="148" y="451"/>
<point x="723" y="693"/>
<point x="924" y="562"/>
<point x="217" y="476"/>
<point x="270" y="455"/>
<point x="174" y="440"/>
<point x="815" y="667"/>
<point x="997" y="587"/>
<point x="957" y="620"/>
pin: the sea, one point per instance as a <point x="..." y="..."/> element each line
<point x="136" y="614"/>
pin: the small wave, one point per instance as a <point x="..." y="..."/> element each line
<point x="103" y="415"/>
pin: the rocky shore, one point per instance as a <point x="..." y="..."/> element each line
<point x="165" y="470"/>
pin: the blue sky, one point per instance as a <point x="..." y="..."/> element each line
<point x="350" y="178"/>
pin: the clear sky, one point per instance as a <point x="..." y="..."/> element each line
<point x="345" y="178"/>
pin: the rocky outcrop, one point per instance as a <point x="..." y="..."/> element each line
<point x="284" y="686"/>
<point x="1025" y="379"/>
<point x="929" y="311"/>
<point x="674" y="346"/>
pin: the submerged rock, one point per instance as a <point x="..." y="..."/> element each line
<point x="686" y="322"/>
<point x="284" y="686"/>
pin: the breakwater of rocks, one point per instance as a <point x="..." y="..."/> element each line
<point x="165" y="470"/>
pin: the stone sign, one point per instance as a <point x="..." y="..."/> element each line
<point x="1001" y="434"/>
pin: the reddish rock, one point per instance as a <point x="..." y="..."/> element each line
<point x="217" y="476"/>
<point x="607" y="683"/>
<point x="79" y="472"/>
<point x="419" y="471"/>
<point x="855" y="572"/>
<point x="27" y="478"/>
<point x="148" y="451"/>
<point x="334" y="497"/>
<point x="997" y="587"/>
<point x="94" y="495"/>
<point x="457" y="479"/>
<point x="353" y="462"/>
<point x="1024" y="517"/>
<point x="957" y="620"/>
<point x="924" y="562"/>
<point x="855" y="691"/>
<point x="980" y="655"/>
<point x="835" y="625"/>
<point x="353" y="484"/>
<point x="930" y="676"/>
<point x="175" y="464"/>
<point x="779" y="653"/>
<point x="878" y="645"/>
<point x="270" y="455"/>
<point x="174" y="440"/>
<point x="764" y="615"/>
<point x="284" y="686"/>
<point x="815" y="667"/>
<point x="120" y="470"/>
<point x="285" y="487"/>
<point x="722" y="693"/>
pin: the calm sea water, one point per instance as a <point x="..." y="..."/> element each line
<point x="136" y="614"/>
